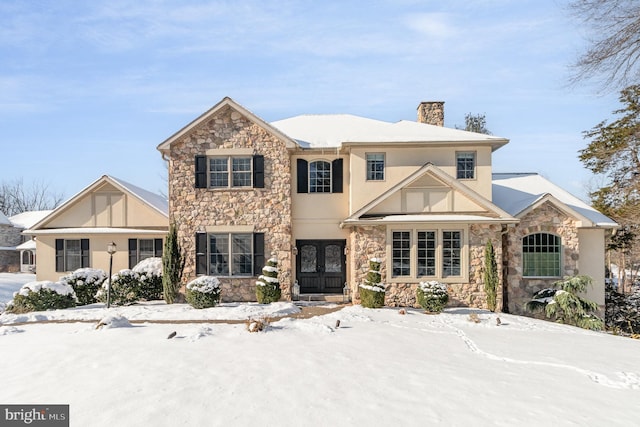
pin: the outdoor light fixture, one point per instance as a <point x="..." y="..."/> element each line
<point x="296" y="291"/>
<point x="346" y="293"/>
<point x="111" y="249"/>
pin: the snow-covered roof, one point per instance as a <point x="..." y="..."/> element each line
<point x="29" y="218"/>
<point x="94" y="230"/>
<point x="28" y="245"/>
<point x="434" y="218"/>
<point x="516" y="192"/>
<point x="4" y="220"/>
<point x="334" y="130"/>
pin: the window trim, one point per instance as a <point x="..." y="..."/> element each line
<point x="439" y="230"/>
<point x="310" y="180"/>
<point x="559" y="256"/>
<point x="230" y="172"/>
<point x="230" y="254"/>
<point x="384" y="167"/>
<point x="474" y="170"/>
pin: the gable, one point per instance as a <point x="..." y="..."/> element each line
<point x="105" y="203"/>
<point x="430" y="191"/>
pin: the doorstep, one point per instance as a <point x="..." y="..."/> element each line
<point x="332" y="298"/>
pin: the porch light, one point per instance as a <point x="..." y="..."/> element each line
<point x="346" y="293"/>
<point x="111" y="249"/>
<point x="296" y="291"/>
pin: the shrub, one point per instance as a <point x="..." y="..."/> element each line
<point x="41" y="296"/>
<point x="124" y="288"/>
<point x="372" y="292"/>
<point x="203" y="292"/>
<point x="432" y="296"/>
<point x="490" y="276"/>
<point x="268" y="285"/>
<point x="172" y="265"/>
<point x="85" y="283"/>
<point x="150" y="272"/>
<point x="563" y="303"/>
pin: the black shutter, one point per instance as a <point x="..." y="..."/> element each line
<point x="59" y="255"/>
<point x="336" y="176"/>
<point x="133" y="252"/>
<point x="303" y="176"/>
<point x="201" y="253"/>
<point x="258" y="171"/>
<point x="157" y="248"/>
<point x="201" y="171"/>
<point x="258" y="253"/>
<point x="84" y="253"/>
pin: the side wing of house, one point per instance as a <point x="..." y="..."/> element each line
<point x="76" y="234"/>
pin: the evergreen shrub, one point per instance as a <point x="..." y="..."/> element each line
<point x="150" y="274"/>
<point x="203" y="292"/>
<point x="85" y="283"/>
<point x="41" y="296"/>
<point x="124" y="288"/>
<point x="432" y="296"/>
<point x="268" y="285"/>
<point x="372" y="292"/>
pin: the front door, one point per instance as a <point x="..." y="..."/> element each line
<point x="321" y="266"/>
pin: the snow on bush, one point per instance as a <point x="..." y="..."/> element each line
<point x="85" y="283"/>
<point x="41" y="296"/>
<point x="268" y="285"/>
<point x="372" y="292"/>
<point x="124" y="288"/>
<point x="113" y="321"/>
<point x="203" y="292"/>
<point x="432" y="296"/>
<point x="150" y="275"/>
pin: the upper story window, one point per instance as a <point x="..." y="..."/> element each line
<point x="375" y="166"/>
<point x="229" y="172"/>
<point x="319" y="176"/>
<point x="541" y="255"/>
<point x="466" y="165"/>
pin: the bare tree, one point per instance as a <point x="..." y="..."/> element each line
<point x="614" y="52"/>
<point x="16" y="197"/>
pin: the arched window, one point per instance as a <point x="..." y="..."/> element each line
<point x="541" y="255"/>
<point x="27" y="258"/>
<point x="319" y="177"/>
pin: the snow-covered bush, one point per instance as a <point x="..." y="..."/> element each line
<point x="150" y="271"/>
<point x="432" y="296"/>
<point x="563" y="303"/>
<point x="203" y="292"/>
<point x="268" y="285"/>
<point x="372" y="292"/>
<point x="85" y="283"/>
<point x="41" y="296"/>
<point x="622" y="315"/>
<point x="124" y="288"/>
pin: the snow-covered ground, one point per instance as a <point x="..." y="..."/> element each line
<point x="377" y="368"/>
<point x="10" y="283"/>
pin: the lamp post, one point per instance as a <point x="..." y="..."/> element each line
<point x="111" y="249"/>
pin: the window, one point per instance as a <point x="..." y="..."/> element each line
<point x="465" y="165"/>
<point x="72" y="254"/>
<point x="319" y="177"/>
<point x="229" y="172"/>
<point x="375" y="166"/>
<point x="435" y="254"/>
<point x="541" y="255"/>
<point x="229" y="254"/>
<point x="140" y="249"/>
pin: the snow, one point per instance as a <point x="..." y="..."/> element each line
<point x="149" y="266"/>
<point x="204" y="284"/>
<point x="11" y="283"/>
<point x="378" y="288"/>
<point x="377" y="368"/>
<point x="28" y="219"/>
<point x="4" y="220"/>
<point x="57" y="287"/>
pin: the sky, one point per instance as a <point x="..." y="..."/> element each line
<point x="91" y="88"/>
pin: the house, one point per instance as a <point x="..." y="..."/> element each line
<point x="27" y="249"/>
<point x="9" y="239"/>
<point x="326" y="193"/>
<point x="76" y="233"/>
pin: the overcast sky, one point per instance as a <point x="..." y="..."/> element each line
<point x="92" y="87"/>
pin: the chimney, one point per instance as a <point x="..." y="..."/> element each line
<point x="431" y="113"/>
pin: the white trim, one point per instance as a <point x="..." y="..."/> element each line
<point x="94" y="230"/>
<point x="230" y="228"/>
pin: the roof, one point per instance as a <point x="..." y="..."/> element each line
<point x="155" y="201"/>
<point x="28" y="245"/>
<point x="4" y="220"/>
<point x="29" y="218"/>
<point x="226" y="101"/>
<point x="335" y="130"/>
<point x="517" y="193"/>
<point x="94" y="230"/>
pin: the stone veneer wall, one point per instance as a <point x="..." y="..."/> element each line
<point x="370" y="242"/>
<point x="545" y="219"/>
<point x="10" y="236"/>
<point x="268" y="209"/>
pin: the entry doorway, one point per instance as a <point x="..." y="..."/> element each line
<point x="321" y="266"/>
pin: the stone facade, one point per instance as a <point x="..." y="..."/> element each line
<point x="431" y="113"/>
<point x="267" y="210"/>
<point x="10" y="236"/>
<point x="370" y="242"/>
<point x="545" y="219"/>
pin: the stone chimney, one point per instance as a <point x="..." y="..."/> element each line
<point x="431" y="113"/>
